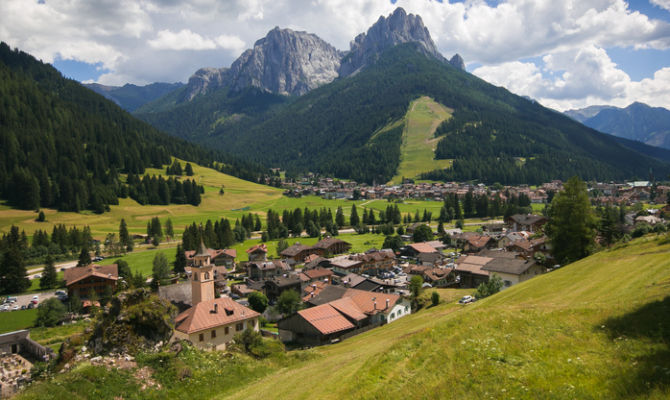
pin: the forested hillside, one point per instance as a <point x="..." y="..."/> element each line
<point x="64" y="146"/>
<point x="501" y="137"/>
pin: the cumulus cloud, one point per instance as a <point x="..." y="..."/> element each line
<point x="167" y="40"/>
<point x="662" y="3"/>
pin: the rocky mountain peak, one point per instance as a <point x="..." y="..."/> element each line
<point x="458" y="62"/>
<point x="397" y="28"/>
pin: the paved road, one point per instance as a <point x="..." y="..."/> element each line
<point x="34" y="272"/>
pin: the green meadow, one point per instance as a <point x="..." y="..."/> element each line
<point x="418" y="140"/>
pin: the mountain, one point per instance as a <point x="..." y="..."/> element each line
<point x="397" y="28"/>
<point x="638" y="121"/>
<point x="64" y="146"/>
<point x="130" y="97"/>
<point x="284" y="62"/>
<point x="353" y="126"/>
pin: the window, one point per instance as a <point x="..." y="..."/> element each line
<point x="508" y="283"/>
<point x="239" y="326"/>
<point x="206" y="275"/>
<point x="201" y="337"/>
<point x="226" y="330"/>
<point x="213" y="333"/>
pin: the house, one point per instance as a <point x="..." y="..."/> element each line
<point x="469" y="271"/>
<point x="424" y="253"/>
<point x="513" y="270"/>
<point x="525" y="222"/>
<point x="211" y="322"/>
<point x="80" y="281"/>
<point x="274" y="287"/>
<point x="371" y="262"/>
<point x="221" y="257"/>
<point x="439" y="277"/>
<point x="214" y="323"/>
<point x="315" y="261"/>
<point x="258" y="252"/>
<point x="344" y="265"/>
<point x="329" y="246"/>
<point x="298" y="252"/>
<point x="313" y="289"/>
<point x="476" y="243"/>
<point x="339" y="312"/>
<point x="316" y="274"/>
<point x="262" y="270"/>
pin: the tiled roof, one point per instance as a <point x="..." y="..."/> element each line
<point x="527" y="219"/>
<point x="349" y="308"/>
<point x="213" y="253"/>
<point x="318" y="273"/>
<point x="479" y="241"/>
<point x="295" y="249"/>
<point x="259" y="247"/>
<point x="423" y="247"/>
<point x="202" y="315"/>
<point x="73" y="275"/>
<point x="473" y="264"/>
<point x="327" y="242"/>
<point x="326" y="319"/>
<point x="509" y="266"/>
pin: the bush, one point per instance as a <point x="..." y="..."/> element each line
<point x="493" y="286"/>
<point x="258" y="302"/>
<point x="50" y="313"/>
<point x="435" y="298"/>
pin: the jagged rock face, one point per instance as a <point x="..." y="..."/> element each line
<point x="398" y="28"/>
<point x="286" y="62"/>
<point x="457" y="61"/>
<point x="204" y="80"/>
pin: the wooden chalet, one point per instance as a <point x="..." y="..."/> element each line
<point x="99" y="278"/>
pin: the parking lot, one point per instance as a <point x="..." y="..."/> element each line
<point x="25" y="299"/>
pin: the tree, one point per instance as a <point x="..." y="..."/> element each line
<point x="160" y="269"/>
<point x="393" y="242"/>
<point x="353" y="218"/>
<point x="258" y="302"/>
<point x="179" y="266"/>
<point x="422" y="233"/>
<point x="41" y="217"/>
<point x="492" y="286"/>
<point x="49" y="277"/>
<point x="74" y="304"/>
<point x="124" y="270"/>
<point x="435" y="298"/>
<point x="124" y="236"/>
<point x="13" y="272"/>
<point x="50" y="312"/>
<point x="169" y="229"/>
<point x="188" y="169"/>
<point x="281" y="246"/>
<point x="572" y="223"/>
<point x="339" y="216"/>
<point x="415" y="286"/>
<point x="288" y="302"/>
<point x="84" y="257"/>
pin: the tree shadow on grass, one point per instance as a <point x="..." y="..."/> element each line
<point x="649" y="372"/>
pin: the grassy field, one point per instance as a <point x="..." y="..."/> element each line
<point x="16" y="320"/>
<point x="237" y="194"/>
<point x="418" y="143"/>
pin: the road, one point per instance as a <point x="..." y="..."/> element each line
<point x="32" y="273"/>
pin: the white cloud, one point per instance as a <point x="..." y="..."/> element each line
<point x="167" y="40"/>
<point x="662" y="3"/>
<point x="578" y="78"/>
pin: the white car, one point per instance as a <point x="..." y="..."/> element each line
<point x="16" y="308"/>
<point x="36" y="297"/>
<point x="466" y="299"/>
<point x="4" y="307"/>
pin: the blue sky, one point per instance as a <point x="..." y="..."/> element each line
<point x="566" y="54"/>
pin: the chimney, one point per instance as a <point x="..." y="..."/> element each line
<point x="374" y="304"/>
<point x="387" y="303"/>
<point x="216" y="309"/>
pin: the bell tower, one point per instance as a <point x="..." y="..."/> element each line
<point x="202" y="277"/>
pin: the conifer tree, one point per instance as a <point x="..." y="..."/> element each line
<point x="49" y="276"/>
<point x="353" y="218"/>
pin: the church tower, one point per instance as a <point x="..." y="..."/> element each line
<point x="202" y="277"/>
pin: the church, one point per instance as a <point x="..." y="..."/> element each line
<point x="211" y="322"/>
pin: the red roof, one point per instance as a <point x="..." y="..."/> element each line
<point x="202" y="315"/>
<point x="318" y="273"/>
<point x="73" y="275"/>
<point x="349" y="308"/>
<point x="423" y="247"/>
<point x="213" y="253"/>
<point x="326" y="319"/>
<point x="259" y="247"/>
<point x="479" y="241"/>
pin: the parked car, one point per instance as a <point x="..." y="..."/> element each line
<point x="16" y="308"/>
<point x="4" y="307"/>
<point x="11" y="299"/>
<point x="38" y="276"/>
<point x="466" y="299"/>
<point x="36" y="297"/>
<point x="97" y="258"/>
<point x="60" y="293"/>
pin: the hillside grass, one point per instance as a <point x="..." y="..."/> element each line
<point x="597" y="328"/>
<point x="16" y="320"/>
<point x="418" y="141"/>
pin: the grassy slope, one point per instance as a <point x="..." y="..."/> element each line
<point x="418" y="143"/>
<point x="595" y="329"/>
<point x="238" y="194"/>
<point x="16" y="320"/>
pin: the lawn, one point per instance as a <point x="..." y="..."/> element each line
<point x="16" y="320"/>
<point x="418" y="140"/>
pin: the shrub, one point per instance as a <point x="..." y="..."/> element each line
<point x="258" y="302"/>
<point x="493" y="286"/>
<point x="50" y="312"/>
<point x="435" y="298"/>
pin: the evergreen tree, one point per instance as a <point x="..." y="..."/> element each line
<point x="84" y="257"/>
<point x="124" y="236"/>
<point x="49" y="277"/>
<point x="281" y="246"/>
<point x="353" y="218"/>
<point x="188" y="169"/>
<point x="13" y="272"/>
<point x="160" y="269"/>
<point x="169" y="229"/>
<point x="41" y="217"/>
<point x="339" y="216"/>
<point x="179" y="266"/>
<point x="571" y="226"/>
